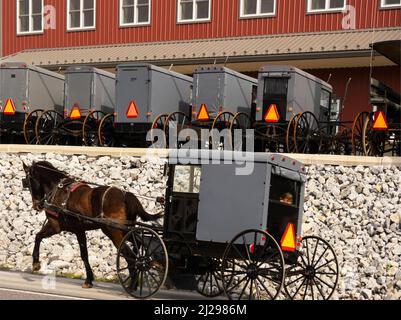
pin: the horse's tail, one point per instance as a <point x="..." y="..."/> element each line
<point x="134" y="208"/>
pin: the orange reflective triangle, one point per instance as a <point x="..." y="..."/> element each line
<point x="380" y="122"/>
<point x="132" y="111"/>
<point x="288" y="242"/>
<point x="203" y="114"/>
<point x="75" y="112"/>
<point x="272" y="114"/>
<point x="9" y="109"/>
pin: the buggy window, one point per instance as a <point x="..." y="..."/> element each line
<point x="187" y="179"/>
<point x="285" y="191"/>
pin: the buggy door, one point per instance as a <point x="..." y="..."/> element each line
<point x="182" y="214"/>
<point x="275" y="92"/>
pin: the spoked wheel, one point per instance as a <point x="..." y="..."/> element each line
<point x="90" y="128"/>
<point x="106" y="131"/>
<point x="373" y="142"/>
<point x="315" y="275"/>
<point x="47" y="127"/>
<point x="30" y="126"/>
<point x="289" y="140"/>
<point x="273" y="137"/>
<point x="307" y="134"/>
<point x="176" y="122"/>
<point x="259" y="269"/>
<point x="210" y="284"/>
<point x="142" y="263"/>
<point x="222" y="124"/>
<point x="357" y="132"/>
<point x="158" y="129"/>
<point x="239" y="126"/>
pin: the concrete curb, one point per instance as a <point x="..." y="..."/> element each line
<point x="346" y="161"/>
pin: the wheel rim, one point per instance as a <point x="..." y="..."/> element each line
<point x="142" y="263"/>
<point x="210" y="284"/>
<point x="176" y="122"/>
<point x="315" y="275"/>
<point x="373" y="142"/>
<point x="90" y="128"/>
<point x="46" y="126"/>
<point x="242" y="122"/>
<point x="106" y="131"/>
<point x="253" y="268"/>
<point x="30" y="127"/>
<point x="289" y="141"/>
<point x="307" y="134"/>
<point x="357" y="133"/>
<point x="222" y="122"/>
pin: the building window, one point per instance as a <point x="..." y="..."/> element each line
<point x="81" y="14"/>
<point x="134" y="12"/>
<point x="390" y="3"/>
<point x="326" y="5"/>
<point x="194" y="10"/>
<point x="254" y="8"/>
<point x="29" y="16"/>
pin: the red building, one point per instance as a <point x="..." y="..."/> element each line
<point x="324" y="37"/>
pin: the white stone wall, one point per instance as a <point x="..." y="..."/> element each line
<point x="356" y="209"/>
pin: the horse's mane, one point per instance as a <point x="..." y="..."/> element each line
<point x="52" y="170"/>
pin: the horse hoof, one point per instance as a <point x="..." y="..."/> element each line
<point x="36" y="267"/>
<point x="87" y="286"/>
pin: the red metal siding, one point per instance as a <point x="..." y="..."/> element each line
<point x="291" y="18"/>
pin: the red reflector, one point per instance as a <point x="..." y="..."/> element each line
<point x="9" y="109"/>
<point x="132" y="111"/>
<point x="380" y="121"/>
<point x="288" y="242"/>
<point x="271" y="115"/>
<point x="203" y="114"/>
<point x="75" y="112"/>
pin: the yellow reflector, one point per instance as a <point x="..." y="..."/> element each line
<point x="271" y="115"/>
<point x="132" y="111"/>
<point x="203" y="114"/>
<point x="288" y="242"/>
<point x="380" y="122"/>
<point x="9" y="109"/>
<point x="75" y="112"/>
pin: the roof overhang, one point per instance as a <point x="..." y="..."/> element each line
<point x="389" y="49"/>
<point x="316" y="50"/>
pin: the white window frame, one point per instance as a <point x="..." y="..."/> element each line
<point x="81" y="17"/>
<point x="194" y="13"/>
<point x="383" y="5"/>
<point x="327" y="8"/>
<point x="135" y="23"/>
<point x="258" y="10"/>
<point x="30" y="31"/>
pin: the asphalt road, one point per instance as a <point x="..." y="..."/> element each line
<point x="25" y="286"/>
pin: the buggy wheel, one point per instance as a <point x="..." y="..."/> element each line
<point x="253" y="267"/>
<point x="357" y="133"/>
<point x="243" y="122"/>
<point x="273" y="137"/>
<point x="222" y="124"/>
<point x="210" y="284"/>
<point x="106" y="131"/>
<point x="30" y="126"/>
<point x="315" y="275"/>
<point x="307" y="134"/>
<point x="158" y="124"/>
<point x="47" y="127"/>
<point x="142" y="263"/>
<point x="289" y="140"/>
<point x="90" y="128"/>
<point x="176" y="121"/>
<point x="373" y="142"/>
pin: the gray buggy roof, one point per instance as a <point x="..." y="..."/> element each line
<point x="23" y="65"/>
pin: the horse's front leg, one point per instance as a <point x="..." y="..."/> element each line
<point x="47" y="231"/>
<point x="81" y="236"/>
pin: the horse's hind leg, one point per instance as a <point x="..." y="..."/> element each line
<point x="47" y="231"/>
<point x="81" y="236"/>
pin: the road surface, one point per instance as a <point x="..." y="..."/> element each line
<point x="25" y="286"/>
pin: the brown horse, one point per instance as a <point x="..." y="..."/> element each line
<point x="46" y="183"/>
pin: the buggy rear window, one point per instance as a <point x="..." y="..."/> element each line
<point x="285" y="191"/>
<point x="187" y="179"/>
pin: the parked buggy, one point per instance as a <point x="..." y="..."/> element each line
<point x="221" y="239"/>
<point x="147" y="97"/>
<point x="378" y="132"/>
<point x="26" y="92"/>
<point x="89" y="97"/>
